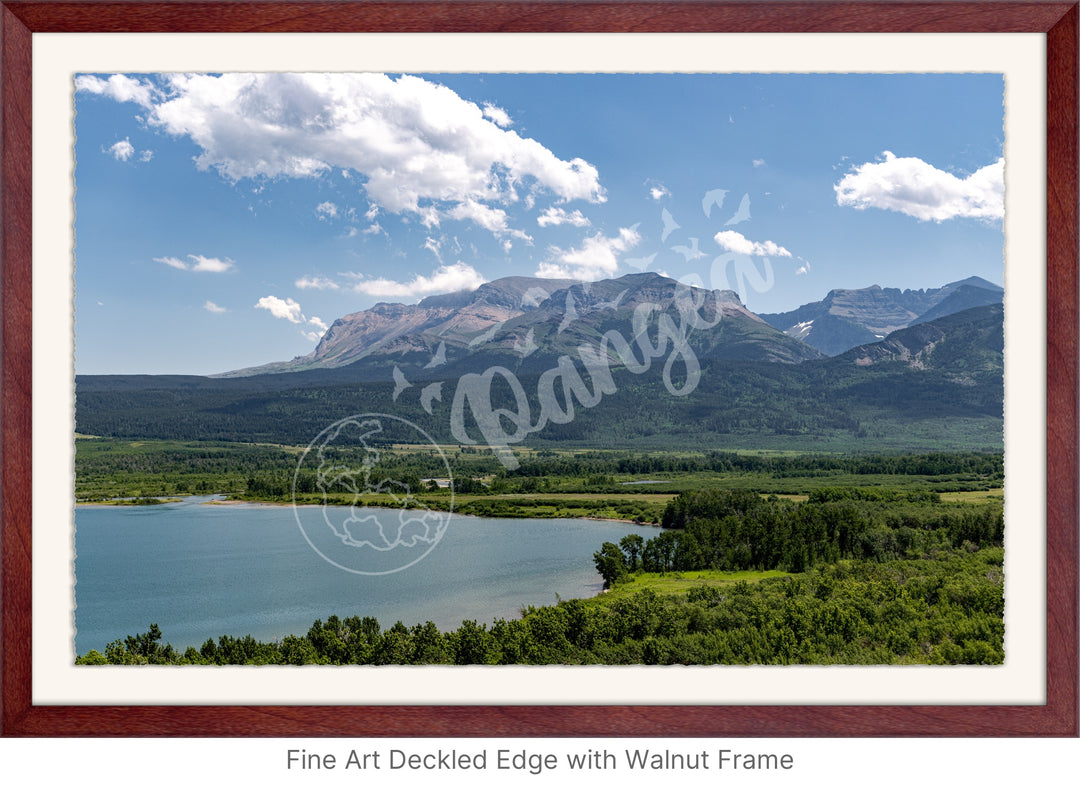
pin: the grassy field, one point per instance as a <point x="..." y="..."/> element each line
<point x="679" y="582"/>
<point x="986" y="496"/>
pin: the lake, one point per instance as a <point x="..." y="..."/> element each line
<point x="201" y="571"/>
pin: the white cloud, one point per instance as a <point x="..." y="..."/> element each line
<point x="737" y="243"/>
<point x="556" y="216"/>
<point x="758" y="163"/>
<point x="316" y="282"/>
<point x="374" y="228"/>
<point x="119" y="87"/>
<point x="598" y="257"/>
<point x="204" y="264"/>
<point x="326" y="209"/>
<point x="805" y="268"/>
<point x="429" y="216"/>
<point x="423" y="149"/>
<point x="493" y="220"/>
<point x="282" y="309"/>
<point x="146" y="156"/>
<point x="213" y="307"/>
<point x="916" y="188"/>
<point x="173" y="262"/>
<point x="433" y="245"/>
<point x="498" y="115"/>
<point x="657" y="191"/>
<point x="447" y="278"/>
<point x="197" y="263"/>
<point x="122" y="150"/>
<point x="289" y="309"/>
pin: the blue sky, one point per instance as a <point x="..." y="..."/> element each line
<point x="224" y="221"/>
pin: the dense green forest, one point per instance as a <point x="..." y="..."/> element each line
<point x="111" y="468"/>
<point x="946" y="608"/>
<point x="732" y="530"/>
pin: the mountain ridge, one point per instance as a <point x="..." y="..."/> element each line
<point x="937" y="382"/>
<point x="519" y="316"/>
<point x="846" y="318"/>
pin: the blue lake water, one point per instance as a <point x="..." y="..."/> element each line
<point x="201" y="571"/>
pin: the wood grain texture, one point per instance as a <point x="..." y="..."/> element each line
<point x="1057" y="718"/>
<point x="15" y="287"/>
<point x="1062" y="325"/>
<point x="572" y="16"/>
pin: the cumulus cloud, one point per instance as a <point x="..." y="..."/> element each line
<point x="119" y="87"/>
<point x="146" y="156"/>
<point x="737" y="243"/>
<point x="447" y="278"/>
<point x="289" y="309"/>
<point x="657" y="191"/>
<point x="282" y="309"/>
<point x="498" y="115"/>
<point x="316" y="282"/>
<point x="489" y="218"/>
<point x="557" y="216"/>
<point x="206" y="264"/>
<point x="122" y="150"/>
<point x="758" y="163"/>
<point x="422" y="148"/>
<point x="918" y="189"/>
<point x="197" y="263"/>
<point x="326" y="209"/>
<point x="598" y="257"/>
<point x="213" y="307"/>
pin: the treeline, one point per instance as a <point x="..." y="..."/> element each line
<point x="107" y="468"/>
<point x="824" y="404"/>
<point x="945" y="608"/>
<point x="735" y="530"/>
<point x="113" y="468"/>
<point x="595" y="463"/>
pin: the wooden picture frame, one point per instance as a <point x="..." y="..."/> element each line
<point x="1057" y="717"/>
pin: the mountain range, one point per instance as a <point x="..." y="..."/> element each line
<point x="526" y="323"/>
<point x="931" y="385"/>
<point x="846" y="318"/>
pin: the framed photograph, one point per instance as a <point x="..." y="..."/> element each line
<point x="539" y="369"/>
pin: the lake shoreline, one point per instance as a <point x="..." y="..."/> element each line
<point x="277" y="504"/>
